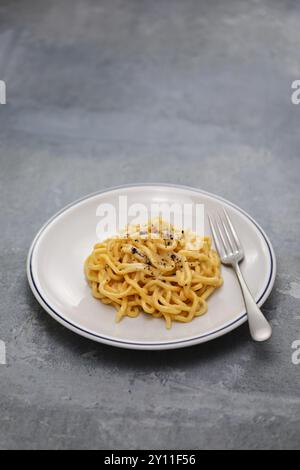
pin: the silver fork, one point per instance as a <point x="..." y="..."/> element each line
<point x="231" y="253"/>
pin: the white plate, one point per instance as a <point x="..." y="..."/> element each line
<point x="55" y="273"/>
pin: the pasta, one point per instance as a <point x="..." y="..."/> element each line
<point x="165" y="272"/>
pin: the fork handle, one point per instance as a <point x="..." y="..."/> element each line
<point x="260" y="328"/>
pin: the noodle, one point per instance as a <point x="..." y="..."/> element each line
<point x="163" y="271"/>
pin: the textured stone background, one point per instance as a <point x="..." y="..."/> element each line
<point x="103" y="93"/>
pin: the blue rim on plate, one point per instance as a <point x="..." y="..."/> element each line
<point x="147" y="344"/>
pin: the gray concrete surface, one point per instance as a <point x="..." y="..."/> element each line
<point x="102" y="93"/>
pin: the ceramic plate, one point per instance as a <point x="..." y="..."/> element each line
<point x="55" y="273"/>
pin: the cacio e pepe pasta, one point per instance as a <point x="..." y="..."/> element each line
<point x="166" y="272"/>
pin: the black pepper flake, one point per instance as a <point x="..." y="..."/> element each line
<point x="133" y="250"/>
<point x="173" y="257"/>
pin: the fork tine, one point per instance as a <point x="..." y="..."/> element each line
<point x="232" y="229"/>
<point x="215" y="236"/>
<point x="227" y="234"/>
<point x="222" y="236"/>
